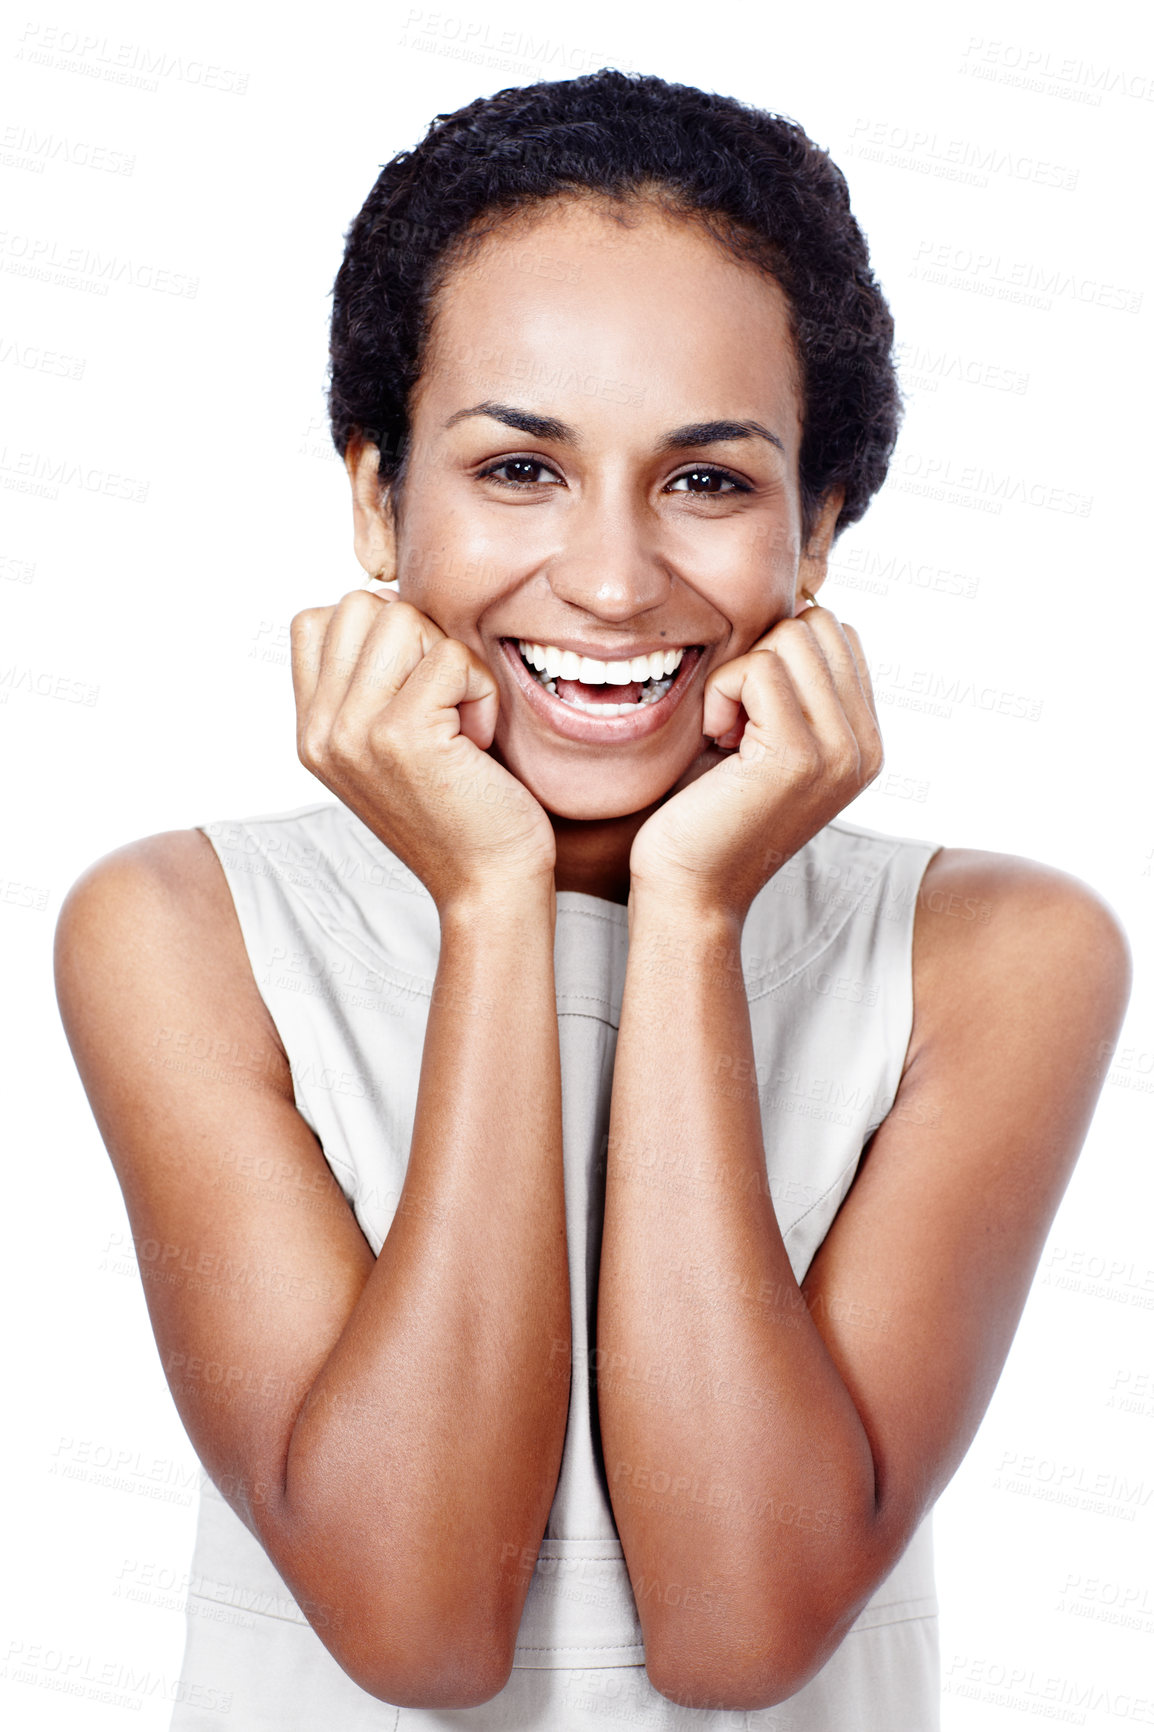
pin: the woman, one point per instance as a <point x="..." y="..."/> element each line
<point x="602" y="1228"/>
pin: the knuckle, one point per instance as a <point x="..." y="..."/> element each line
<point x="445" y="663"/>
<point x="344" y="743"/>
<point x="303" y="624"/>
<point x="845" y="766"/>
<point x="311" y="740"/>
<point x="381" y="735"/>
<point x="398" y="618"/>
<point x="873" y="758"/>
<point x="844" y="760"/>
<point x="450" y="651"/>
<point x="403" y="611"/>
<point x="808" y="762"/>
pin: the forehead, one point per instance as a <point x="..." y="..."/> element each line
<point x="582" y="298"/>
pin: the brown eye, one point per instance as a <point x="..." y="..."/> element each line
<point x="520" y="472"/>
<point x="708" y="481"/>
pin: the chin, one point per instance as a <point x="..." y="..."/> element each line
<point x="597" y="792"/>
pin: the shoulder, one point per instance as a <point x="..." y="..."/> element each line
<point x="1003" y="905"/>
<point x="147" y="939"/>
<point x="1006" y="939"/>
<point x="169" y="879"/>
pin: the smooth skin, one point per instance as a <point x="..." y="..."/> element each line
<point x="390" y="1428"/>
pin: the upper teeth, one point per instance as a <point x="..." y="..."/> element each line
<point x="568" y="665"/>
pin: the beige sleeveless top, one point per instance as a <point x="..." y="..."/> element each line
<point x="343" y="941"/>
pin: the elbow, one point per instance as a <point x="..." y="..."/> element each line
<point x="406" y="1647"/>
<point x="743" y="1671"/>
<point x="414" y="1648"/>
<point x="742" y="1686"/>
<point x="435" y="1637"/>
<point x="453" y="1672"/>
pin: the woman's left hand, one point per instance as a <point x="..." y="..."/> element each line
<point x="810" y="744"/>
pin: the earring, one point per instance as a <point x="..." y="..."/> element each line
<point x="380" y="582"/>
<point x="812" y="599"/>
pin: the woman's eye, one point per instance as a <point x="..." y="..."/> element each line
<point x="708" y="481"/>
<point x="520" y="472"/>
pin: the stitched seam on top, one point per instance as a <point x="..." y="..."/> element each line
<point x="576" y="1647"/>
<point x="418" y="987"/>
<point x="590" y="913"/>
<point x="761" y="986"/>
<point x="788" y="967"/>
<point x="584" y="1540"/>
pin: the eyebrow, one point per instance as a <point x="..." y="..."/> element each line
<point x="548" y="427"/>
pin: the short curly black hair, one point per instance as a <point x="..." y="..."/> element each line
<point x="761" y="186"/>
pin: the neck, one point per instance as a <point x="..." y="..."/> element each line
<point x="593" y="854"/>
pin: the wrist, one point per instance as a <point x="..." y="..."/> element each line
<point x="696" y="915"/>
<point x="516" y="905"/>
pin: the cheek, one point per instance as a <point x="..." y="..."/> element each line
<point x="441" y="570"/>
<point x="747" y="570"/>
<point x="454" y="560"/>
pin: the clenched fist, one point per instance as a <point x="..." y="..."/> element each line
<point x="396" y="720"/>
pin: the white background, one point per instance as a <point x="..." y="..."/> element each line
<point x="998" y="161"/>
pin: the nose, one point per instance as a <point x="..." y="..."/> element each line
<point x="610" y="564"/>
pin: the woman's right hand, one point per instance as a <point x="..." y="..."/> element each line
<point x="396" y="719"/>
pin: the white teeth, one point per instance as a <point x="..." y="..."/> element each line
<point x="654" y="673"/>
<point x="556" y="663"/>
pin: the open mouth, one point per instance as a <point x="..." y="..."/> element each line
<point x="605" y="689"/>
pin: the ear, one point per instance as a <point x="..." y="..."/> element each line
<point x="374" y="531"/>
<point x="811" y="567"/>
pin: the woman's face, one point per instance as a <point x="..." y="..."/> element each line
<point x="603" y="462"/>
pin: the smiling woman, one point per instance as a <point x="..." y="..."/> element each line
<point x="580" y="1346"/>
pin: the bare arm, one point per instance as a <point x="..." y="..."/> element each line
<point x="390" y="1429"/>
<point x="832" y="1440"/>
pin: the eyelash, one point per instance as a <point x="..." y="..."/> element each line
<point x="712" y="469"/>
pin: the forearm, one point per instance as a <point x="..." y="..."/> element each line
<point x="428" y="1449"/>
<point x="738" y="1465"/>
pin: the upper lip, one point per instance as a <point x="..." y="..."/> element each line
<point x="603" y="652"/>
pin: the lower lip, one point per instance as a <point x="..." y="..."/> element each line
<point x="574" y="724"/>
